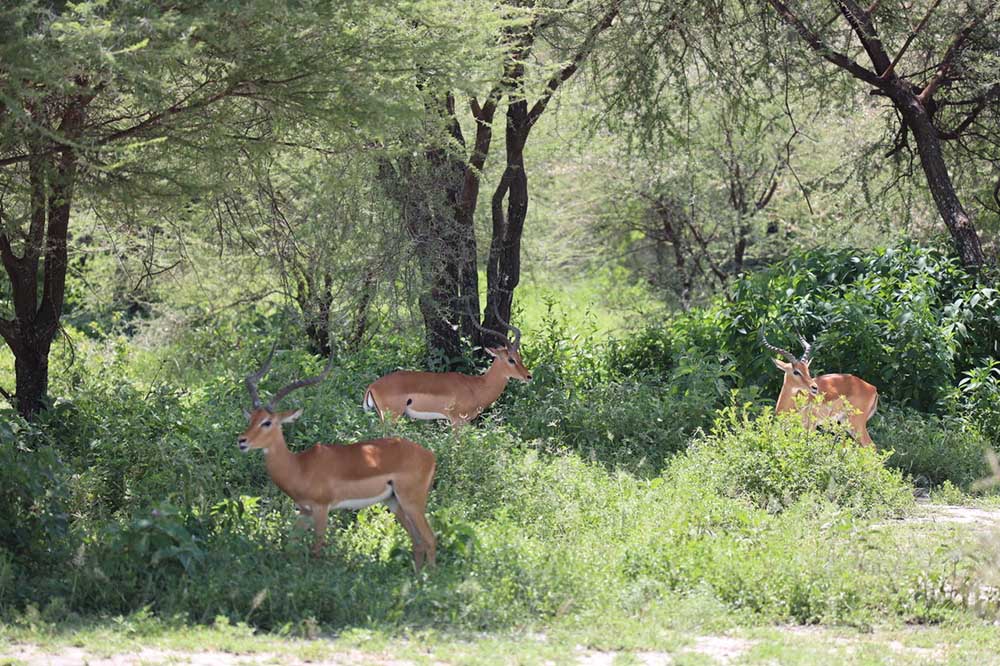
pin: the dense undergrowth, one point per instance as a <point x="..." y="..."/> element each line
<point x="627" y="474"/>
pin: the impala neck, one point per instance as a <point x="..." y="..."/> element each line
<point x="786" y="399"/>
<point x="492" y="383"/>
<point x="281" y="465"/>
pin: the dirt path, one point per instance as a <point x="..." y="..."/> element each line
<point x="74" y="656"/>
<point x="718" y="649"/>
<point x="965" y="515"/>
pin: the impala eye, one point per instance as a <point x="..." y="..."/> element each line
<point x="511" y="361"/>
<point x="796" y="373"/>
<point x="266" y="424"/>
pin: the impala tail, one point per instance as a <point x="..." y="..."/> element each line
<point x="369" y="402"/>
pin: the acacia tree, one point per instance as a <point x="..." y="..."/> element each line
<point x="934" y="62"/>
<point x="438" y="189"/>
<point x="104" y="103"/>
<point x="932" y="72"/>
<point x="693" y="211"/>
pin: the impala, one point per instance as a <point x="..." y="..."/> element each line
<point x="393" y="471"/>
<point x="449" y="395"/>
<point x="835" y="397"/>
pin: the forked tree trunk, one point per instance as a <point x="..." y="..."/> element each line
<point x="437" y="195"/>
<point x="509" y="210"/>
<point x="38" y="307"/>
<point x="503" y="272"/>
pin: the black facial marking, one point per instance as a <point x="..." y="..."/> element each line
<point x="409" y="401"/>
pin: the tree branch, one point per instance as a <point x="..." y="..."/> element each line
<point x="861" y="22"/>
<point x="949" y="59"/>
<point x="820" y="47"/>
<point x="909" y="40"/>
<point x="484" y="126"/>
<point x="182" y="106"/>
<point x="566" y="72"/>
<point x="981" y="104"/>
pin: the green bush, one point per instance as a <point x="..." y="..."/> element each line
<point x="929" y="448"/>
<point x="635" y="423"/>
<point x="34" y="513"/>
<point x="771" y="461"/>
<point x="907" y="319"/>
<point x="575" y="494"/>
<point x="980" y="398"/>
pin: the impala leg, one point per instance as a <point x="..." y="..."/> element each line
<point x="860" y="427"/>
<point x="415" y="508"/>
<point x="415" y="539"/>
<point x="457" y="421"/>
<point x="319" y="515"/>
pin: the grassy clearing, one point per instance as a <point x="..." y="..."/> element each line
<point x="613" y="509"/>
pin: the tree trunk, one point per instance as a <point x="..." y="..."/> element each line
<point x="963" y="231"/>
<point x="31" y="371"/>
<point x="36" y="321"/>
<point x="426" y="195"/>
<point x="503" y="272"/>
<point x="438" y="212"/>
<point x="359" y="329"/>
<point x="315" y="300"/>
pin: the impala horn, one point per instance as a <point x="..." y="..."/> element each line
<point x="475" y="322"/>
<point x="517" y="332"/>
<point x="807" y="350"/>
<point x="253" y="379"/>
<point x="299" y="383"/>
<point x="777" y="350"/>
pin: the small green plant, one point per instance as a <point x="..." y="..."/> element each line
<point x="929" y="448"/>
<point x="34" y="513"/>
<point x="772" y="461"/>
<point x="980" y="397"/>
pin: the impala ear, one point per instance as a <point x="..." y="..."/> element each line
<point x="781" y="365"/>
<point x="288" y="417"/>
<point x="807" y="362"/>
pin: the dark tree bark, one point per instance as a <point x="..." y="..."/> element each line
<point x="949" y="206"/>
<point x="359" y="329"/>
<point x="438" y="200"/>
<point x="503" y="271"/>
<point x="314" y="295"/>
<point x="431" y="228"/>
<point x="38" y="307"/>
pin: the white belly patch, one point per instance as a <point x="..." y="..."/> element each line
<point x="423" y="416"/>
<point x="362" y="502"/>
